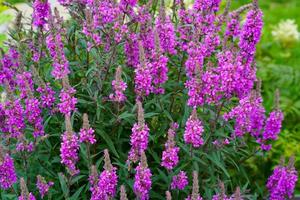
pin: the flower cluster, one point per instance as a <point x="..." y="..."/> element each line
<point x="119" y="86"/>
<point x="249" y="116"/>
<point x="170" y="156"/>
<point x="105" y="186"/>
<point x="139" y="136"/>
<point x="179" y="181"/>
<point x="250" y="34"/>
<point x="282" y="182"/>
<point x="194" y="130"/>
<point x="46" y="96"/>
<point x="69" y="148"/>
<point x="86" y="133"/>
<point x="41" y="11"/>
<point x="142" y="179"/>
<point x="67" y="101"/>
<point x="43" y="186"/>
<point x="8" y="174"/>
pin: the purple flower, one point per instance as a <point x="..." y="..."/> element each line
<point x="166" y="32"/>
<point x="281" y="184"/>
<point x="250" y="35"/>
<point x="25" y="146"/>
<point x="46" y="96"/>
<point x="86" y="133"/>
<point x="195" y="92"/>
<point x="180" y="181"/>
<point x="273" y="125"/>
<point x="69" y="148"/>
<point x="25" y="83"/>
<point x="33" y="115"/>
<point x="131" y="49"/>
<point x="67" y="101"/>
<point x="43" y="186"/>
<point x="30" y="196"/>
<point x="15" y="123"/>
<point x="142" y="179"/>
<point x="249" y="115"/>
<point x="41" y="11"/>
<point x="8" y="174"/>
<point x="56" y="49"/>
<point x="138" y="140"/>
<point x="119" y="86"/>
<point x="143" y="75"/>
<point x="233" y="26"/>
<point x="194" y="130"/>
<point x="170" y="156"/>
<point x="105" y="186"/>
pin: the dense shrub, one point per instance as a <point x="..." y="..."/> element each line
<point x="128" y="100"/>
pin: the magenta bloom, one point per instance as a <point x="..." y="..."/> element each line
<point x="107" y="185"/>
<point x="194" y="130"/>
<point x="25" y="83"/>
<point x="250" y="35"/>
<point x="281" y="184"/>
<point x="41" y="11"/>
<point x="273" y="125"/>
<point x="159" y="72"/>
<point x="56" y="49"/>
<point x="46" y="96"/>
<point x="104" y="187"/>
<point x="119" y="86"/>
<point x="138" y="140"/>
<point x="67" y="101"/>
<point x="131" y="49"/>
<point x="195" y="92"/>
<point x="8" y="174"/>
<point x="33" y="114"/>
<point x="69" y="151"/>
<point x="30" y="196"/>
<point x="87" y="135"/>
<point x="166" y="32"/>
<point x="249" y="116"/>
<point x="25" y="146"/>
<point x="142" y="179"/>
<point x="233" y="26"/>
<point x="15" y="123"/>
<point x="180" y="181"/>
<point x="170" y="156"/>
<point x="143" y="75"/>
<point x="43" y="186"/>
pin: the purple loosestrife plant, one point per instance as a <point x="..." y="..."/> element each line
<point x="194" y="65"/>
<point x="105" y="186"/>
<point x="139" y="137"/>
<point x="41" y="12"/>
<point x="69" y="148"/>
<point x="43" y="186"/>
<point x="142" y="179"/>
<point x="170" y="155"/>
<point x="8" y="174"/>
<point x="86" y="133"/>
<point x="179" y="181"/>
<point x="119" y="87"/>
<point x="194" y="130"/>
<point x="281" y="183"/>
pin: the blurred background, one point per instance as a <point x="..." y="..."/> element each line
<point x="278" y="59"/>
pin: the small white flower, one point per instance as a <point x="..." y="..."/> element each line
<point x="286" y="32"/>
<point x="3" y="97"/>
